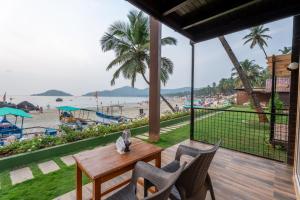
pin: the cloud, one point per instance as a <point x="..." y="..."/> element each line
<point x="50" y="44"/>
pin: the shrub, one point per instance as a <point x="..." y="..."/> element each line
<point x="69" y="135"/>
<point x="278" y="104"/>
<point x="251" y="104"/>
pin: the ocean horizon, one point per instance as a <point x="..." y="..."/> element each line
<point x="77" y="101"/>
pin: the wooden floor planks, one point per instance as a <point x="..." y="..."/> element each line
<point x="241" y="176"/>
<point x="236" y="176"/>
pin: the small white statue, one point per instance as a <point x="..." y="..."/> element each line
<point x="120" y="145"/>
<point x="123" y="142"/>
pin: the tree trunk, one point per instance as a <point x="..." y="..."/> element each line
<point x="161" y="96"/>
<point x="167" y="102"/>
<point x="263" y="49"/>
<point x="244" y="79"/>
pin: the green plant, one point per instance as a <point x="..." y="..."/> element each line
<point x="68" y="135"/>
<point x="278" y="104"/>
<point x="130" y="40"/>
<point x="258" y="36"/>
<point x="251" y="104"/>
<point x="253" y="72"/>
<point x="285" y="50"/>
<point x="62" y="181"/>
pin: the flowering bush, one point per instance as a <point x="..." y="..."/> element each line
<point x="68" y="135"/>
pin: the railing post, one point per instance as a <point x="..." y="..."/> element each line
<point x="192" y="91"/>
<point x="273" y="109"/>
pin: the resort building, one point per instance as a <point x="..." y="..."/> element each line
<point x="282" y="88"/>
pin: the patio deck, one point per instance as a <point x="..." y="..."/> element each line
<point x="235" y="176"/>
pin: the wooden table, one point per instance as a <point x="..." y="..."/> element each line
<point x="105" y="163"/>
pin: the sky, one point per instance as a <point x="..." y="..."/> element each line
<point x="54" y="44"/>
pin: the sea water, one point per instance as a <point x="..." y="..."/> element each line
<point x="76" y="101"/>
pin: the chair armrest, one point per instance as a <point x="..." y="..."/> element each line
<point x="153" y="174"/>
<point x="172" y="166"/>
<point x="186" y="150"/>
<point x="190" y="151"/>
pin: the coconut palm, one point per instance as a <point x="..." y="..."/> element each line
<point x="252" y="71"/>
<point x="244" y="79"/>
<point x="226" y="86"/>
<point x="258" y="36"/>
<point x="264" y="75"/>
<point x="285" y="50"/>
<point x="131" y="43"/>
<point x="214" y="88"/>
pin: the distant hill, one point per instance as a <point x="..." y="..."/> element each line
<point x="135" y="92"/>
<point x="52" y="93"/>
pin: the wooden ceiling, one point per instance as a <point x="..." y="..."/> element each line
<point x="201" y="20"/>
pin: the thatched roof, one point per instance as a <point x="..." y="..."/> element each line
<point x="25" y="105"/>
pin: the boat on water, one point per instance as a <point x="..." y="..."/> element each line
<point x="59" y="100"/>
<point x="109" y="119"/>
<point x="11" y="132"/>
<point x="73" y="118"/>
<point x="106" y="118"/>
<point x="76" y="119"/>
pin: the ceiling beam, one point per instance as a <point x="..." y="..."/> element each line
<point x="265" y="11"/>
<point x="220" y="14"/>
<point x="153" y="8"/>
<point x="175" y="5"/>
<point x="264" y="15"/>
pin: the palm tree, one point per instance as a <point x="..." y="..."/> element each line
<point x="285" y="50"/>
<point x="226" y="86"/>
<point x="214" y="88"/>
<point x="222" y="86"/>
<point x="131" y="43"/>
<point x="264" y="75"/>
<point x="252" y="71"/>
<point x="244" y="79"/>
<point x="258" y="36"/>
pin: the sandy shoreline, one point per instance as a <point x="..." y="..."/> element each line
<point x="50" y="118"/>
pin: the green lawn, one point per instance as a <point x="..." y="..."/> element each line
<point x="42" y="186"/>
<point x="237" y="131"/>
<point x="240" y="131"/>
<point x="174" y="137"/>
<point x="45" y="187"/>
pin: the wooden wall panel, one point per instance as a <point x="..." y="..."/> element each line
<point x="282" y="63"/>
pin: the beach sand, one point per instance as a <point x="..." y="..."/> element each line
<point x="50" y="118"/>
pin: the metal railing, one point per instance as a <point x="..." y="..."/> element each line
<point x="242" y="131"/>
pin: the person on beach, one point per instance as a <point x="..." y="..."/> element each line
<point x="176" y="108"/>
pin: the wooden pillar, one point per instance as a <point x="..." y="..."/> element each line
<point x="154" y="91"/>
<point x="293" y="91"/>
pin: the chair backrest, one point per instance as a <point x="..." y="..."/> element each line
<point x="164" y="184"/>
<point x="193" y="176"/>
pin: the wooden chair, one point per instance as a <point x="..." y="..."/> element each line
<point x="163" y="181"/>
<point x="194" y="181"/>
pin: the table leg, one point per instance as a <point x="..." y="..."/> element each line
<point x="158" y="160"/>
<point x="97" y="189"/>
<point x="78" y="183"/>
